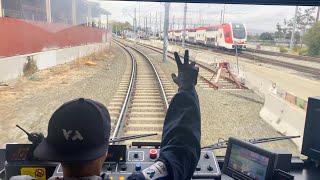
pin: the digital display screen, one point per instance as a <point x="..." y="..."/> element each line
<point x="19" y="152"/>
<point x="116" y="153"/>
<point x="248" y="163"/>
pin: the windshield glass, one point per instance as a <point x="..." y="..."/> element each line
<point x="53" y="51"/>
<point x="239" y="31"/>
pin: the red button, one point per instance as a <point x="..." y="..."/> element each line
<point x="153" y="153"/>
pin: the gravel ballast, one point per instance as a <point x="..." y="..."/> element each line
<point x="30" y="101"/>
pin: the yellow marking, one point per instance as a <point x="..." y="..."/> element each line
<point x="38" y="173"/>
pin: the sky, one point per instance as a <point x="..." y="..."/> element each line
<point x="257" y="18"/>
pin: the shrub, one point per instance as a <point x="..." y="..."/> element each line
<point x="283" y="49"/>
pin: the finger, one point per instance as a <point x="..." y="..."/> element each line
<point x="177" y="58"/>
<point x="186" y="57"/>
<point x="174" y="78"/>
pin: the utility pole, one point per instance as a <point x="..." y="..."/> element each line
<point x="318" y="14"/>
<point x="108" y="22"/>
<point x="135" y="23"/>
<point x="48" y="10"/>
<point x="172" y="24"/>
<point x="294" y="28"/>
<point x="165" y="31"/>
<point x="224" y="11"/>
<point x="150" y="25"/>
<point x="160" y="24"/>
<point x="139" y="16"/>
<point x="184" y="25"/>
<point x="74" y="12"/>
<point x="139" y="29"/>
<point x="1" y="10"/>
<point x="156" y="24"/>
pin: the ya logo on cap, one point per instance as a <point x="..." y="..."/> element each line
<point x="72" y="135"/>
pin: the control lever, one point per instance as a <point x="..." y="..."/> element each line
<point x="35" y="138"/>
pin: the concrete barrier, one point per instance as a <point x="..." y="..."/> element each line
<point x="284" y="117"/>
<point x="12" y="67"/>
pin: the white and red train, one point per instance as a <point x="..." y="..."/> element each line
<point x="224" y="36"/>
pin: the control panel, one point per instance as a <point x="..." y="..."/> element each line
<point x="138" y="159"/>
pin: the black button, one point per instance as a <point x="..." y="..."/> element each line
<point x="135" y="155"/>
<point x="209" y="168"/>
<point x="198" y="168"/>
<point x="206" y="155"/>
<point x="123" y="167"/>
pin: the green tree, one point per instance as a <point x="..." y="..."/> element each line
<point x="119" y="27"/>
<point x="267" y="36"/>
<point x="279" y="34"/>
<point x="312" y="40"/>
<point x="305" y="19"/>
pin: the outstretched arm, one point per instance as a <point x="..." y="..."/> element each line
<point x="180" y="145"/>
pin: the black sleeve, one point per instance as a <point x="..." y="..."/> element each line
<point x="180" y="145"/>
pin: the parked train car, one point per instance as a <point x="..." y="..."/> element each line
<point x="229" y="34"/>
<point x="178" y="35"/>
<point x="224" y="36"/>
<point x="191" y="36"/>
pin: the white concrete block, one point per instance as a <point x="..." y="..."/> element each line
<point x="46" y="59"/>
<point x="11" y="67"/>
<point x="284" y="117"/>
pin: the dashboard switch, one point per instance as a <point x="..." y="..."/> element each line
<point x="123" y="167"/>
<point x="206" y="155"/>
<point x="138" y="167"/>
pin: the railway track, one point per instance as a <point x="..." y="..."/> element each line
<point x="296" y="57"/>
<point x="311" y="71"/>
<point x="208" y="75"/>
<point x="140" y="104"/>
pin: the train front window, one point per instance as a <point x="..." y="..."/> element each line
<point x="239" y="31"/>
<point x="52" y="51"/>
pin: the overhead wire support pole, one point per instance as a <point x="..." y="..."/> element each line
<point x="1" y="10"/>
<point x="135" y="23"/>
<point x="318" y="14"/>
<point x="294" y="28"/>
<point x="150" y="26"/>
<point x="165" y="31"/>
<point x="224" y="11"/>
<point x="184" y="26"/>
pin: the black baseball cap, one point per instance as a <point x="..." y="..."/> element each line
<point x="78" y="131"/>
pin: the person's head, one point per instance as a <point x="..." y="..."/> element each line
<point x="78" y="137"/>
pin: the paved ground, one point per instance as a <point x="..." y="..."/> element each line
<point x="30" y="102"/>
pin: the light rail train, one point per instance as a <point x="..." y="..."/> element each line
<point x="225" y="36"/>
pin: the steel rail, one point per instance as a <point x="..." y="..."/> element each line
<point x="125" y="105"/>
<point x="157" y="75"/>
<point x="292" y="56"/>
<point x="156" y="72"/>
